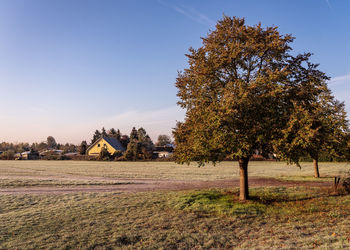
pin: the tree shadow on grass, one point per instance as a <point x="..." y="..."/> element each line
<point x="261" y="200"/>
<point x="282" y="195"/>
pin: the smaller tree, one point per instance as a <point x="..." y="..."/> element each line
<point x="103" y="133"/>
<point x="147" y="145"/>
<point x="118" y="135"/>
<point x="51" y="142"/>
<point x="96" y="136"/>
<point x="163" y="140"/>
<point x="117" y="154"/>
<point x="111" y="132"/>
<point x="114" y="134"/>
<point x="83" y="147"/>
<point x="140" y="146"/>
<point x="316" y="126"/>
<point x="331" y="129"/>
<point x="104" y="154"/>
<point x="133" y="134"/>
<point x="124" y="140"/>
<point x="133" y="151"/>
<point x="41" y="146"/>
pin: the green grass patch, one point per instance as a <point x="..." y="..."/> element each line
<point x="218" y="202"/>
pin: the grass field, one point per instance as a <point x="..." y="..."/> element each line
<point x="277" y="217"/>
<point x="161" y="170"/>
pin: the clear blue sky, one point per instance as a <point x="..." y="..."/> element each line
<point x="69" y="67"/>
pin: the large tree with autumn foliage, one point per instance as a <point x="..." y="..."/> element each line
<point x="238" y="92"/>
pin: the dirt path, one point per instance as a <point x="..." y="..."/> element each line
<point x="144" y="185"/>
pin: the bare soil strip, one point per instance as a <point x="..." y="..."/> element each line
<point x="145" y="185"/>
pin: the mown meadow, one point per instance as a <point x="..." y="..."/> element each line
<point x="276" y="217"/>
<point x="163" y="170"/>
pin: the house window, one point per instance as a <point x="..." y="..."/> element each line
<point x="98" y="145"/>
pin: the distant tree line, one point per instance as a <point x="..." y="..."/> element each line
<point x="10" y="149"/>
<point x="49" y="144"/>
<point x="138" y="145"/>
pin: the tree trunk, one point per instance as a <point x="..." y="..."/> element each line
<point x="317" y="172"/>
<point x="243" y="179"/>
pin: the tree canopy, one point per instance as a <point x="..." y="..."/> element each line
<point x="163" y="140"/>
<point x="83" y="147"/>
<point x="114" y="133"/>
<point x="51" y="142"/>
<point x="140" y="146"/>
<point x="96" y="136"/>
<point x="314" y="128"/>
<point x="239" y="92"/>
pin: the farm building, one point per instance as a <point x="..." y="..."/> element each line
<point x="51" y="152"/>
<point x="163" y="151"/>
<point x="111" y="144"/>
<point x="27" y="155"/>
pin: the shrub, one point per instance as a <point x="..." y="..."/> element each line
<point x="117" y="154"/>
<point x="8" y="155"/>
<point x="104" y="155"/>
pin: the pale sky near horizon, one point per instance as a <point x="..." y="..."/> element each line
<point x="68" y="67"/>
